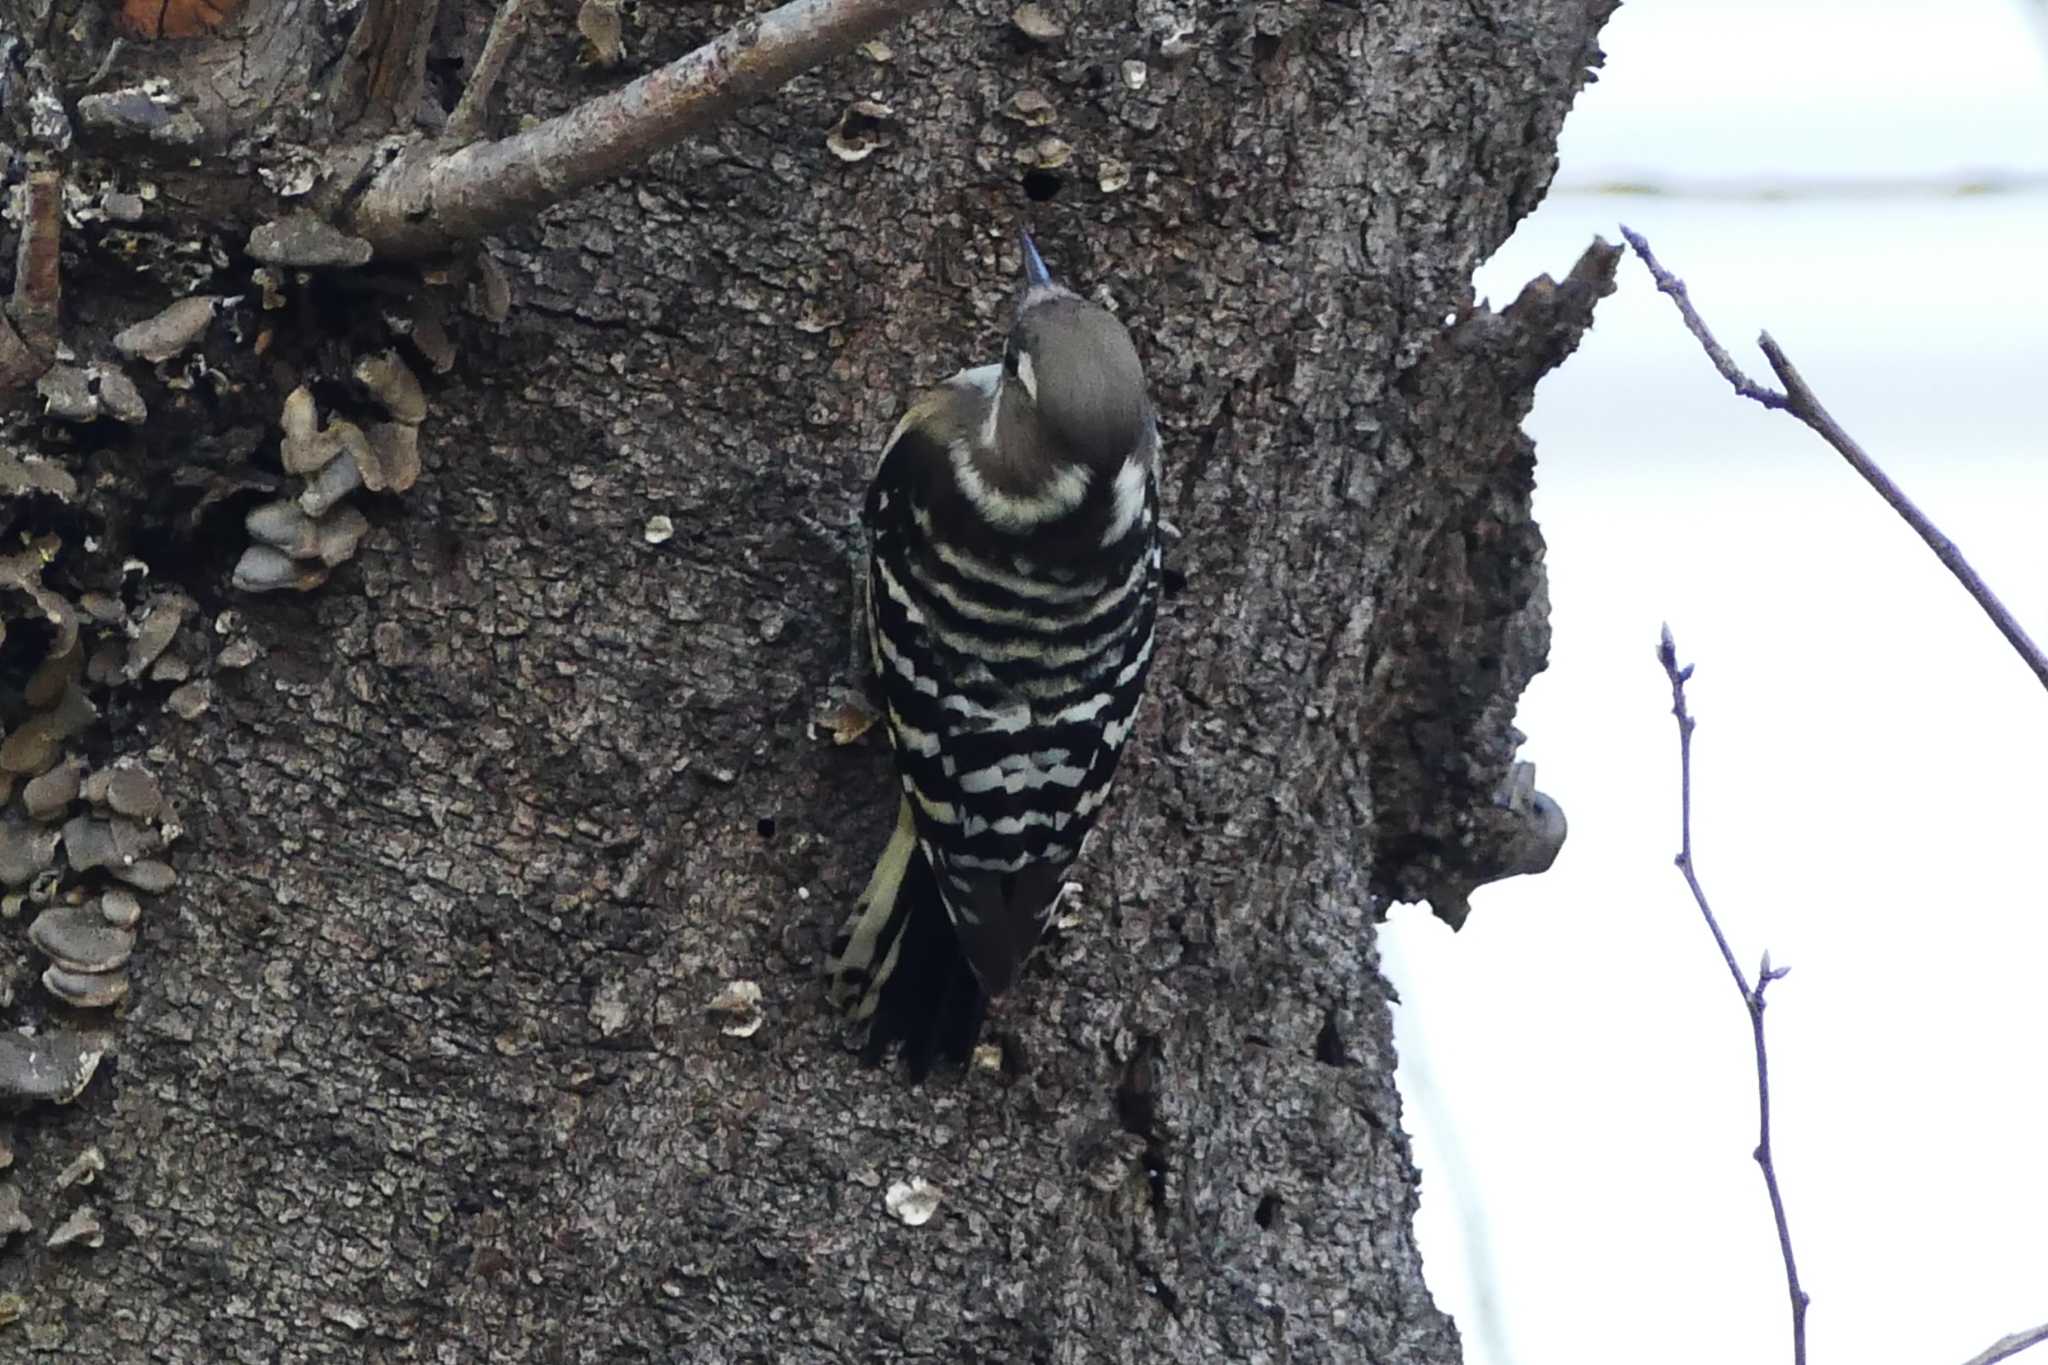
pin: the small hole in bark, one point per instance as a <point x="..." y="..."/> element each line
<point x="196" y="548"/>
<point x="1137" y="1111"/>
<point x="765" y="827"/>
<point x="1172" y="581"/>
<point x="23" y="650"/>
<point x="1267" y="1212"/>
<point x="1040" y="186"/>
<point x="1265" y="47"/>
<point x="1015" y="1060"/>
<point x="1330" y="1049"/>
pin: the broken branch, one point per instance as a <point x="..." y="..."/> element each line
<point x="28" y="330"/>
<point x="430" y="198"/>
<point x="1801" y="402"/>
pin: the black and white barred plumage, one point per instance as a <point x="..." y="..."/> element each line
<point x="1011" y="593"/>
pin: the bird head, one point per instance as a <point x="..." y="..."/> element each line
<point x="1071" y="377"/>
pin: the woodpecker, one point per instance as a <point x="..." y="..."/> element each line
<point x="1008" y="603"/>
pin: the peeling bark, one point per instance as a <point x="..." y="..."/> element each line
<point x="382" y="77"/>
<point x="419" y="1060"/>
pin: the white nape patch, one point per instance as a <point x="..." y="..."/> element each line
<point x="1027" y="374"/>
<point x="1129" y="491"/>
<point x="1056" y="497"/>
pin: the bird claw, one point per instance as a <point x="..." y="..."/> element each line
<point x="845" y="716"/>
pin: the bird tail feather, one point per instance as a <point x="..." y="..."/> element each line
<point x="898" y="965"/>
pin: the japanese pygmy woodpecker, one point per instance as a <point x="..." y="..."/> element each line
<point x="1011" y="589"/>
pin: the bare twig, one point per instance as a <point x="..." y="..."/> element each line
<point x="1752" y="997"/>
<point x="429" y="199"/>
<point x="1799" y="400"/>
<point x="2007" y="1347"/>
<point x="506" y="26"/>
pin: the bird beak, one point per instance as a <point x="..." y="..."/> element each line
<point x="1035" y="273"/>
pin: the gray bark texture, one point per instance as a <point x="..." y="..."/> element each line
<point x="417" y="1064"/>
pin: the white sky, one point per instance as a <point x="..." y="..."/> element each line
<point x="1871" y="764"/>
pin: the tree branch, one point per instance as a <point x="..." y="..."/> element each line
<point x="506" y="27"/>
<point x="2006" y="1347"/>
<point x="429" y="198"/>
<point x="1800" y="401"/>
<point x="1752" y="997"/>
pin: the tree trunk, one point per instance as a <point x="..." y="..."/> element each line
<point x="417" y="1062"/>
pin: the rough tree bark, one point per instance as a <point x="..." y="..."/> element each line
<point x="417" y="1064"/>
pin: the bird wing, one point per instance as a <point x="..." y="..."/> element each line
<point x="1009" y="693"/>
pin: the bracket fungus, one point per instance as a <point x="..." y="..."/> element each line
<point x="53" y="1069"/>
<point x="175" y="329"/>
<point x="861" y="130"/>
<point x="87" y="937"/>
<point x="1038" y="25"/>
<point x="912" y="1202"/>
<point x="740" y="1002"/>
<point x="82" y="1228"/>
<point x="297" y="540"/>
<point x="77" y="939"/>
<point x="308" y="242"/>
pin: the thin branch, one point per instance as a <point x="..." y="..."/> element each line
<point x="1752" y="997"/>
<point x="2007" y="1347"/>
<point x="429" y="199"/>
<point x="506" y="27"/>
<point x="1800" y="401"/>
